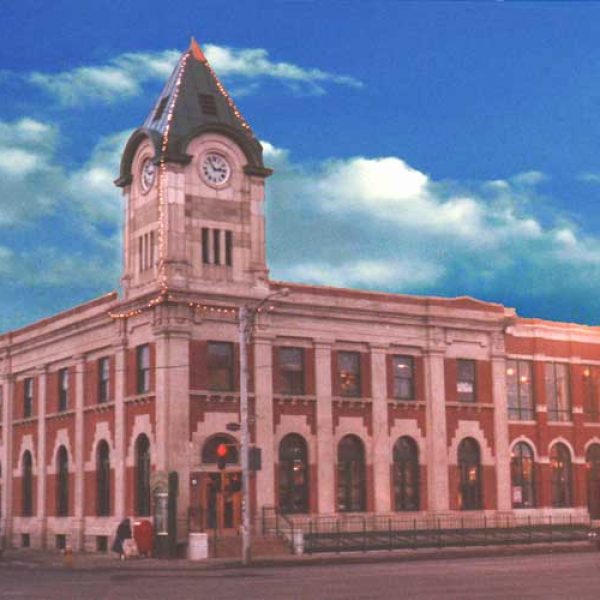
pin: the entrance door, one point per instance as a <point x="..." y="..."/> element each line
<point x="222" y="500"/>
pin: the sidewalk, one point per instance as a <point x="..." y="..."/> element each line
<point x="38" y="559"/>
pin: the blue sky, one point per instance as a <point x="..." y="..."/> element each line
<point x="431" y="148"/>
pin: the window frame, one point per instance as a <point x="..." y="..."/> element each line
<point x="591" y="395"/>
<point x="557" y="411"/>
<point x="522" y="406"/>
<point x="103" y="491"/>
<point x="292" y="381"/>
<point x="27" y="397"/>
<point x="470" y="475"/>
<point x="561" y="479"/>
<point x="399" y="377"/>
<point x="143" y="466"/>
<point x="103" y="380"/>
<point x="62" y="482"/>
<point x="27" y="484"/>
<point x="352" y="389"/>
<point x="519" y="477"/>
<point x="63" y="389"/>
<point x="351" y="492"/>
<point x="406" y="478"/>
<point x="293" y="496"/>
<point x="215" y="371"/>
<point x="142" y="369"/>
<point x="464" y="396"/>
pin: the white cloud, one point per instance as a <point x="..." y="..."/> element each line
<point x="124" y="77"/>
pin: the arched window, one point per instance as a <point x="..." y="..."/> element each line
<point x="293" y="474"/>
<point x="351" y="492"/>
<point x="522" y="476"/>
<point x="62" y="482"/>
<point x="592" y="459"/>
<point x="406" y="474"/>
<point x="560" y="463"/>
<point x="102" y="480"/>
<point x="27" y="485"/>
<point x="469" y="467"/>
<point x="209" y="450"/>
<point x="142" y="476"/>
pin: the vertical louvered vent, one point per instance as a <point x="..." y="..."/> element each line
<point x="160" y="109"/>
<point x="208" y="104"/>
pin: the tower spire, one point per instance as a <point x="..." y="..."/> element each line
<point x="197" y="51"/>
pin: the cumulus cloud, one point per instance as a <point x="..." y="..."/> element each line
<point x="125" y="76"/>
<point x="380" y="223"/>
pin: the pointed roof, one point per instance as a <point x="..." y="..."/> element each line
<point x="192" y="102"/>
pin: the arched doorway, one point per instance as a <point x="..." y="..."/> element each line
<point x="293" y="474"/>
<point x="469" y="467"/>
<point x="406" y="474"/>
<point x="221" y="488"/>
<point x="592" y="459"/>
<point x="522" y="476"/>
<point x="560" y="463"/>
<point x="142" y="476"/>
<point x="351" y="485"/>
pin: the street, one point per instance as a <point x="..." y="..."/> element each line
<point x="574" y="576"/>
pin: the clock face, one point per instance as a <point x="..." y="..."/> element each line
<point x="215" y="170"/>
<point x="148" y="174"/>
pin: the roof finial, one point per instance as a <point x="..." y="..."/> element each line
<point x="197" y="51"/>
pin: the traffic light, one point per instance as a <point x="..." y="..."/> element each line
<point x="222" y="456"/>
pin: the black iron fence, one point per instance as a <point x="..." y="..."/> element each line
<point x="343" y="533"/>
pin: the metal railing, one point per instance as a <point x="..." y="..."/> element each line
<point x="342" y="533"/>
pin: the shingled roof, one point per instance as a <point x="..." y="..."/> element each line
<point x="192" y="102"/>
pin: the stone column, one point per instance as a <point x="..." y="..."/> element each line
<point x="6" y="381"/>
<point x="263" y="422"/>
<point x="437" y="446"/>
<point x="79" y="455"/>
<point x="381" y="441"/>
<point x="173" y="413"/>
<point x="501" y="435"/>
<point x="119" y="433"/>
<point x="42" y="383"/>
<point x="326" y="455"/>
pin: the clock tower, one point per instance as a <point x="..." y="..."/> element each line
<point x="193" y="180"/>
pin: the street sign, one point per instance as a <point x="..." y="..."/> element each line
<point x="232" y="426"/>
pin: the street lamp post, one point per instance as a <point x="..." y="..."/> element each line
<point x="246" y="325"/>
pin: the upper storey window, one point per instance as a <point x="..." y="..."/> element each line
<point x="146" y="251"/>
<point x="63" y="389"/>
<point x="348" y="371"/>
<point x="27" y="397"/>
<point x="208" y="104"/>
<point x="220" y="366"/>
<point x="404" y="377"/>
<point x="518" y="390"/>
<point x="591" y="386"/>
<point x="557" y="392"/>
<point x="465" y="380"/>
<point x="291" y="370"/>
<point x="143" y="369"/>
<point x="103" y="379"/>
<point x="217" y="247"/>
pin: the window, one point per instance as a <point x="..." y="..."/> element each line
<point x="217" y="246"/>
<point x="206" y="245"/>
<point x="27" y="397"/>
<point x="62" y="482"/>
<point x="142" y="476"/>
<point x="102" y="480"/>
<point x="348" y="370"/>
<point x="518" y="390"/>
<point x="560" y="463"/>
<point x="522" y="476"/>
<point x="160" y="109"/>
<point x="293" y="474"/>
<point x="291" y="370"/>
<point x="469" y="467"/>
<point x="146" y="251"/>
<point x="465" y="380"/>
<point x="592" y="459"/>
<point x="557" y="392"/>
<point x="143" y="369"/>
<point x="406" y="475"/>
<point x="27" y="485"/>
<point x="404" y="384"/>
<point x="63" y="390"/>
<point x="591" y="383"/>
<point x="103" y="380"/>
<point x="209" y="450"/>
<point x="351" y="488"/>
<point x="220" y="366"/>
<point x="228" y="248"/>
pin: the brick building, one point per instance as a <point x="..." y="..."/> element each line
<point x="360" y="402"/>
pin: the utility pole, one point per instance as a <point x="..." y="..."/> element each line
<point x="246" y="325"/>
